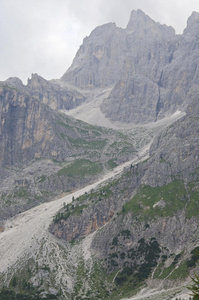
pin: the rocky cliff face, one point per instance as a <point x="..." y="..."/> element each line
<point x="99" y="60"/>
<point x="50" y="93"/>
<point x="166" y="77"/>
<point x="104" y="56"/>
<point x="32" y="138"/>
<point x="45" y="153"/>
<point x="173" y="156"/>
<point x="29" y="130"/>
<point x="132" y="59"/>
<point x="23" y="126"/>
<point x="153" y="71"/>
<point x="144" y="223"/>
<point x="54" y="95"/>
<point x="142" y="220"/>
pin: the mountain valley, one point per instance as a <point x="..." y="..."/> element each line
<point x="99" y="186"/>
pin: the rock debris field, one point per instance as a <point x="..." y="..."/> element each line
<point x="23" y="233"/>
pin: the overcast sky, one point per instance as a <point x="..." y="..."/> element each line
<point x="42" y="36"/>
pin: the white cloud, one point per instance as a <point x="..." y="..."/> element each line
<point x="43" y="36"/>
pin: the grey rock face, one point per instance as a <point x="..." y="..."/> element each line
<point x="48" y="92"/>
<point x="131" y="56"/>
<point x="22" y="125"/>
<point x="193" y="21"/>
<point x="151" y="48"/>
<point x="146" y="222"/>
<point x="99" y="60"/>
<point x="52" y="94"/>
<point x="173" y="156"/>
<point x="154" y="72"/>
<point x="134" y="100"/>
<point x="157" y="74"/>
<point x="178" y="82"/>
<point x="175" y="151"/>
<point x="29" y="130"/>
<point x="140" y="24"/>
<point x="38" y="145"/>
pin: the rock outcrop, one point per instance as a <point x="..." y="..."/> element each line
<point x="99" y="61"/>
<point x="146" y="220"/>
<point x="161" y="78"/>
<point x="153" y="71"/>
<point x="28" y="129"/>
<point x="44" y="153"/>
<point x="54" y="95"/>
<point x="147" y="212"/>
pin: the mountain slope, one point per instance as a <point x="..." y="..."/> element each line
<point x="132" y="228"/>
<point x="142" y="220"/>
<point x="111" y="228"/>
<point x="45" y="153"/>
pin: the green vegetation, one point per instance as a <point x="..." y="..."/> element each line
<point x="194" y="258"/>
<point x="42" y="178"/>
<point x="176" y="259"/>
<point x="104" y="193"/>
<point x="126" y="233"/>
<point x="151" y="202"/>
<point x="64" y="124"/>
<point x="194" y="287"/>
<point x="158" y="270"/>
<point x="84" y="137"/>
<point x="193" y="205"/>
<point x="84" y="144"/>
<point x="133" y="266"/>
<point x="81" y="167"/>
<point x="111" y="164"/>
<point x="21" y="288"/>
<point x="115" y="241"/>
<point x="21" y="193"/>
<point x="69" y="210"/>
<point x="11" y="294"/>
<point x="181" y="272"/>
<point x="91" y="284"/>
<point x="121" y="148"/>
<point x="137" y="266"/>
<point x="137" y="263"/>
<point x="165" y="272"/>
<point x="176" y="270"/>
<point x="78" y="204"/>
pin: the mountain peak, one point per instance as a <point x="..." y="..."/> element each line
<point x="14" y="81"/>
<point x="139" y="18"/>
<point x="142" y="24"/>
<point x="193" y="20"/>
